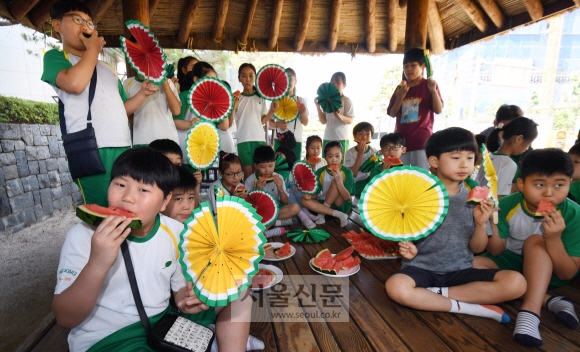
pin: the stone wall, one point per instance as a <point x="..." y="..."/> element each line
<point x="34" y="178"/>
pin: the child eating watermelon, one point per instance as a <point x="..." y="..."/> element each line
<point x="546" y="252"/>
<point x="392" y="147"/>
<point x="437" y="272"/>
<point x="357" y="155"/>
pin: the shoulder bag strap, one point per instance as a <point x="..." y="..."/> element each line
<point x="92" y="87"/>
<point x="135" y="288"/>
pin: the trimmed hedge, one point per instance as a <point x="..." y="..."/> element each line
<point x="16" y="110"/>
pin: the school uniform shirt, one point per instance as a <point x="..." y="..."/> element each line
<point x="270" y="186"/>
<point x="325" y="178"/>
<point x="211" y="194"/>
<point x="516" y="224"/>
<point x="351" y="155"/>
<point x="336" y="130"/>
<point x="296" y="126"/>
<point x="415" y="117"/>
<point x="155" y="259"/>
<point x="153" y="120"/>
<point x="574" y="193"/>
<point x="109" y="117"/>
<point x="505" y="168"/>
<point x="248" y="118"/>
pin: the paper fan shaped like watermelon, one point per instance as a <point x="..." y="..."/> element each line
<point x="146" y="56"/>
<point x="308" y="235"/>
<point x="265" y="204"/>
<point x="220" y="255"/>
<point x="287" y="110"/>
<point x="210" y="99"/>
<point x="202" y="145"/>
<point x="305" y="178"/>
<point x="272" y="82"/>
<point x="328" y="98"/>
<point x="281" y="167"/>
<point x="403" y="204"/>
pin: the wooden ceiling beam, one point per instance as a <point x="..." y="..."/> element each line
<point x="247" y="24"/>
<point x="474" y="13"/>
<point x="303" y="22"/>
<point x="275" y="23"/>
<point x="152" y="7"/>
<point x="435" y="30"/>
<point x="402" y="3"/>
<point x="220" y="20"/>
<point x="535" y="9"/>
<point x="19" y="9"/>
<point x="99" y="7"/>
<point x="392" y="25"/>
<point x="186" y="22"/>
<point x="493" y="11"/>
<point x="335" y="7"/>
<point x="370" y="17"/>
<point x="416" y="30"/>
<point x="41" y="13"/>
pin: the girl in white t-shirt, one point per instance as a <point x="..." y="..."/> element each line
<point x="295" y="126"/>
<point x="313" y="149"/>
<point x="250" y="114"/>
<point x="517" y="136"/>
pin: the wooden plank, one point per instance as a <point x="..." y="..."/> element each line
<point x="99" y="8"/>
<point x="474" y="13"/>
<point x="247" y="23"/>
<point x="435" y="30"/>
<point x="392" y="25"/>
<point x="416" y="27"/>
<point x="370" y="17"/>
<point x="335" y="7"/>
<point x="41" y="13"/>
<point x="19" y="9"/>
<point x="187" y="18"/>
<point x="41" y="329"/>
<point x="493" y="11"/>
<point x="303" y="22"/>
<point x="220" y="20"/>
<point x="262" y="329"/>
<point x="535" y="9"/>
<point x="55" y="340"/>
<point x="275" y="23"/>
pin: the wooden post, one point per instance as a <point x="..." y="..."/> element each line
<point x="134" y="10"/>
<point x="303" y="22"/>
<point x="392" y="25"/>
<point x="19" y="9"/>
<point x="247" y="24"/>
<point x="220" y="20"/>
<point x="416" y="31"/>
<point x="474" y="13"/>
<point x="535" y="9"/>
<point x="370" y="13"/>
<point x="493" y="11"/>
<point x="99" y="7"/>
<point x="187" y="16"/>
<point x="335" y="7"/>
<point x="435" y="30"/>
<point x="41" y="13"/>
<point x="275" y="23"/>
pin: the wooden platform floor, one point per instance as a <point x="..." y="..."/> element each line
<point x="375" y="322"/>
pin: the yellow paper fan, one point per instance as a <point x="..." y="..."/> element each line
<point x="202" y="145"/>
<point x="287" y="110"/>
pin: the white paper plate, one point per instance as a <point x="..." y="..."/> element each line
<point x="276" y="245"/>
<point x="342" y="273"/>
<point x="276" y="272"/>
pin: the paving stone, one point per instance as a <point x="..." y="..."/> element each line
<point x="43" y="181"/>
<point x="37" y="153"/>
<point x="67" y="201"/>
<point x="9" y="131"/>
<point x="7" y="145"/>
<point x="4" y="203"/>
<point x="77" y="198"/>
<point x="11" y="220"/>
<point x="61" y="151"/>
<point x="27" y="136"/>
<point x="56" y="192"/>
<point x="36" y="196"/>
<point x="30" y="216"/>
<point x="62" y="165"/>
<point x="19" y="145"/>
<point x="44" y="130"/>
<point x="10" y="172"/>
<point x="38" y="211"/>
<point x="53" y="146"/>
<point x="7" y="159"/>
<point x="2" y="226"/>
<point x="66" y="191"/>
<point x="21" y="202"/>
<point x="14" y="187"/>
<point x="65" y="178"/>
<point x="40" y="140"/>
<point x="51" y="164"/>
<point x="57" y="204"/>
<point x="2" y="178"/>
<point x="54" y="179"/>
<point x="74" y="187"/>
<point x="46" y="199"/>
<point x="30" y="183"/>
<point x="33" y="167"/>
<point x="23" y="170"/>
<point x="42" y="167"/>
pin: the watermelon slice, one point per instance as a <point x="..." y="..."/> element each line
<point x="94" y="214"/>
<point x="305" y="178"/>
<point x="267" y="178"/>
<point x="346" y="253"/>
<point x="357" y="141"/>
<point x="284" y="251"/>
<point x="325" y="253"/>
<point x="543" y="206"/>
<point x="477" y="194"/>
<point x="314" y="160"/>
<point x="326" y="265"/>
<point x="393" y="160"/>
<point x="334" y="167"/>
<point x="237" y="189"/>
<point x="263" y="278"/>
<point x="237" y="94"/>
<point x="350" y="262"/>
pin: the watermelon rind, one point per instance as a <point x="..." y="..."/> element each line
<point x="95" y="219"/>
<point x="472" y="197"/>
<point x="325" y="265"/>
<point x="317" y="187"/>
<point x="261" y="93"/>
<point x="217" y="136"/>
<point x="199" y="114"/>
<point x="325" y="253"/>
<point x="272" y="220"/>
<point x="344" y="254"/>
<point x="136" y="24"/>
<point x="283" y="251"/>
<point x="542" y="207"/>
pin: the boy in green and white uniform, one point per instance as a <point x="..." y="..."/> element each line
<point x="574" y="193"/>
<point x="70" y="71"/>
<point x="547" y="252"/>
<point x="357" y="155"/>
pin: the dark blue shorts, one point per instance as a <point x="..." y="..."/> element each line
<point x="425" y="278"/>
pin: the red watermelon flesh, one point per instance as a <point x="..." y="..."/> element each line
<point x="393" y="160"/>
<point x="344" y="254"/>
<point x="284" y="251"/>
<point x="237" y="94"/>
<point x="267" y="178"/>
<point x="94" y="214"/>
<point x="477" y="194"/>
<point x="543" y="207"/>
<point x="263" y="278"/>
<point x="350" y="263"/>
<point x="325" y="253"/>
<point x="326" y="265"/>
<point x="334" y="167"/>
<point x="314" y="160"/>
<point x="239" y="188"/>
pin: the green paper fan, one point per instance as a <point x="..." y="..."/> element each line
<point x="371" y="162"/>
<point x="328" y="98"/>
<point x="281" y="167"/>
<point x="308" y="235"/>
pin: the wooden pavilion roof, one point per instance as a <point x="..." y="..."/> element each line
<point x="353" y="26"/>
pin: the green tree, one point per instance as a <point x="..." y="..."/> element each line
<point x="391" y="79"/>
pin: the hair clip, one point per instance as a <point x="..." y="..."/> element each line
<point x="499" y="126"/>
<point x="225" y="155"/>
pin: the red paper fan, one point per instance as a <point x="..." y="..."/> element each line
<point x="272" y="82"/>
<point x="265" y="204"/>
<point x="210" y="99"/>
<point x="146" y="56"/>
<point x="305" y="178"/>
